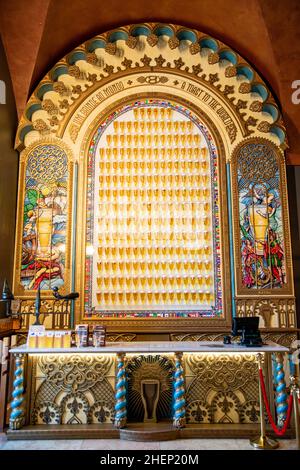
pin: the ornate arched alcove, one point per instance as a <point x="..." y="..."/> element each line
<point x="152" y="180"/>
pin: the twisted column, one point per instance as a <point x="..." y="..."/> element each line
<point x="179" y="393"/>
<point x="281" y="394"/>
<point x="17" y="416"/>
<point x="273" y="368"/>
<point x="121" y="402"/>
<point x="294" y="391"/>
<point x="291" y="364"/>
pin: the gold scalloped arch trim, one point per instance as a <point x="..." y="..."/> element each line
<point x="151" y="47"/>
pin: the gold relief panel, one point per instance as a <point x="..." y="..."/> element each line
<point x="54" y="314"/>
<point x="275" y="312"/>
<point x="284" y="338"/>
<point x="72" y="389"/>
<point x="221" y="388"/>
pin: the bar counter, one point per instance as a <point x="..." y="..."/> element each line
<point x="159" y="390"/>
<point x="157" y="347"/>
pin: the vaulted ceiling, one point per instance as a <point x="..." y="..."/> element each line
<point x="266" y="33"/>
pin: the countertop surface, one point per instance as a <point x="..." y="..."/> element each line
<point x="157" y="347"/>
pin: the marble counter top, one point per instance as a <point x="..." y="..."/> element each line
<point x="157" y="347"/>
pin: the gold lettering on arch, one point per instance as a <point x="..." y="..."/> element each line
<point x="91" y="104"/>
<point x="215" y="105"/>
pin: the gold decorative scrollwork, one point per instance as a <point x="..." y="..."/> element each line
<point x="275" y="312"/>
<point x="126" y="337"/>
<point x="76" y="372"/>
<point x="72" y="389"/>
<point x="221" y="388"/>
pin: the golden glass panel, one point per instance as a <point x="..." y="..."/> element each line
<point x="155" y="209"/>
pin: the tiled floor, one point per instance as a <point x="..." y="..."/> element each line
<point x="115" y="444"/>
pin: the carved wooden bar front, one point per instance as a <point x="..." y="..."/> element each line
<point x="101" y="389"/>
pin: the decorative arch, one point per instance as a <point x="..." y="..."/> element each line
<point x="85" y="91"/>
<point x="151" y="49"/>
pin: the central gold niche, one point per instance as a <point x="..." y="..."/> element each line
<point x="153" y="232"/>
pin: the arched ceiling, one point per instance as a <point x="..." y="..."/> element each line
<point x="37" y="34"/>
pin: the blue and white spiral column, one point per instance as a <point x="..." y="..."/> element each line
<point x="17" y="415"/>
<point x="281" y="399"/>
<point x="121" y="400"/>
<point x="179" y="394"/>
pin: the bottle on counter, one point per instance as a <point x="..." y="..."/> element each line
<point x="81" y="336"/>
<point x="98" y="336"/>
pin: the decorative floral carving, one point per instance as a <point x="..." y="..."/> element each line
<point x="251" y="121"/>
<point x="213" y="58"/>
<point x="74" y="373"/>
<point x="195" y="48"/>
<point x="40" y="125"/>
<point x="111" y="48"/>
<point x="250" y="412"/>
<point x="101" y="412"/>
<point x="241" y="104"/>
<point x="75" y="408"/>
<point x="245" y="87"/>
<point x="92" y="77"/>
<point x="173" y="42"/>
<point x="152" y="40"/>
<point x="198" y="412"/>
<point x="109" y="69"/>
<point x="160" y="60"/>
<point x="49" y="106"/>
<point x="92" y="58"/>
<point x="77" y="89"/>
<point x="228" y="90"/>
<point x="60" y="87"/>
<point x="230" y="71"/>
<point x="64" y="104"/>
<point x="54" y="121"/>
<point x="257" y="163"/>
<point x="219" y="386"/>
<point x="264" y="126"/>
<point x="74" y="71"/>
<point x="131" y="42"/>
<point x="46" y="413"/>
<point x="127" y="63"/>
<point x="229" y="371"/>
<point x="213" y="78"/>
<point x="152" y="79"/>
<point x="226" y="408"/>
<point x="146" y="60"/>
<point x="197" y="69"/>
<point x="178" y="63"/>
<point x="256" y="106"/>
